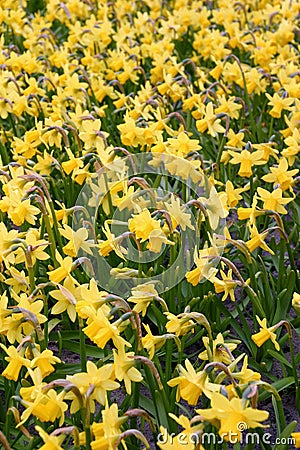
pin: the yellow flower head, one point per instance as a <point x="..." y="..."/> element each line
<point x="231" y="413"/>
<point x="265" y="334"/>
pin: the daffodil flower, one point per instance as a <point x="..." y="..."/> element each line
<point x="124" y="368"/>
<point x="221" y="349"/>
<point x="247" y="160"/>
<point x="281" y="175"/>
<point x="273" y="200"/>
<point x="231" y="413"/>
<point x="265" y="334"/>
<point x="63" y="271"/>
<point x="101" y="380"/>
<point x="16" y="362"/>
<point x="258" y="240"/>
<point x="50" y="442"/>
<point x="191" y="384"/>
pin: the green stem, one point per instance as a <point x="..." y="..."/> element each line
<point x="281" y="268"/>
<point x="108" y="194"/>
<point x="82" y="346"/>
<point x="46" y="323"/>
<point x="135" y="399"/>
<point x="169" y="352"/>
<point x="31" y="279"/>
<point x="293" y="265"/>
<point x="256" y="302"/>
<point x="86" y="422"/>
<point x="293" y="361"/>
<point x="271" y="127"/>
<point x="51" y="239"/>
<point x="4" y="154"/>
<point x="279" y="413"/>
<point x="55" y="225"/>
<point x="220" y="151"/>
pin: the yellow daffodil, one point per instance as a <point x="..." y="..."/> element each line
<point x="143" y="295"/>
<point x="226" y="285"/>
<point x="247" y="160"/>
<point x="178" y="214"/>
<point x="281" y="175"/>
<point x="77" y="241"/>
<point x="50" y="442"/>
<point x="250" y="213"/>
<point x="221" y="349"/>
<point x="178" y="324"/>
<point x="100" y="330"/>
<point x="265" y="334"/>
<point x="66" y="297"/>
<point x="258" y="240"/>
<point x="183" y="145"/>
<point x="36" y="247"/>
<point x="296" y="301"/>
<point x="228" y="106"/>
<point x="124" y="368"/>
<point x="191" y="384"/>
<point x="279" y="104"/>
<point x="16" y="362"/>
<point x="6" y="241"/>
<point x="156" y="239"/>
<point x="204" y="269"/>
<point x="143" y="224"/>
<point x="235" y="140"/>
<point x="23" y="322"/>
<point x="293" y="148"/>
<point x="47" y="406"/>
<point x="296" y="437"/>
<point x="131" y="135"/>
<point x="231" y="413"/>
<point x="210" y="122"/>
<point x="170" y="442"/>
<point x="273" y="200"/>
<point x="246" y="375"/>
<point x="111" y="243"/>
<point x="44" y="361"/>
<point x="214" y="207"/>
<point x="63" y="271"/>
<point x="152" y="343"/>
<point x="107" y="432"/>
<point x="233" y="194"/>
<point x="99" y="378"/>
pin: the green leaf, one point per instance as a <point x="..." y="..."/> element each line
<point x="52" y="324"/>
<point x="64" y="369"/>
<point x="161" y="409"/>
<point x="91" y="350"/>
<point x="284" y="436"/>
<point x="279" y="386"/>
<point x="280" y="358"/>
<point x="285" y="298"/>
<point x="147" y="404"/>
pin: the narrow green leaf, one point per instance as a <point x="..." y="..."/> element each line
<point x="280" y="358"/>
<point x="285" y="440"/>
<point x="279" y="386"/>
